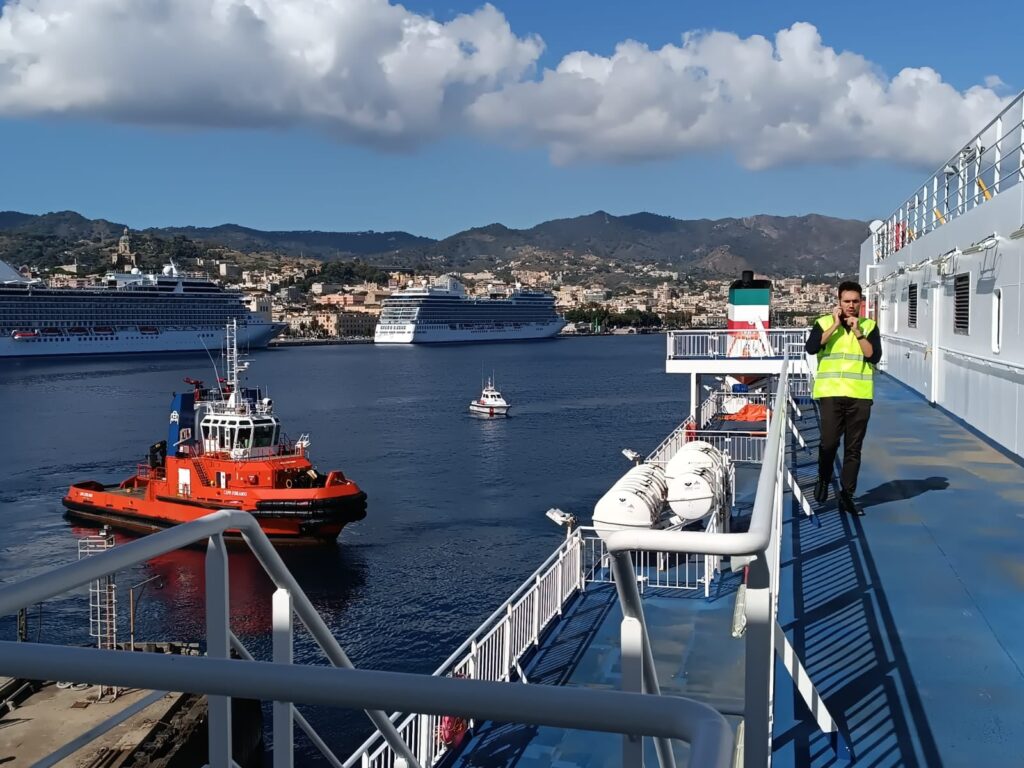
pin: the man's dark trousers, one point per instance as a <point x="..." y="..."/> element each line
<point x="846" y="418"/>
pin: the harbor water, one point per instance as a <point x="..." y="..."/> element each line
<point x="456" y="504"/>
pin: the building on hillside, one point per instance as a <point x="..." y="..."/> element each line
<point x="229" y="271"/>
<point x="325" y="289"/>
<point x="123" y="257"/>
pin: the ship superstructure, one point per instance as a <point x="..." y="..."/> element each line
<point x="128" y="312"/>
<point x="440" y="311"/>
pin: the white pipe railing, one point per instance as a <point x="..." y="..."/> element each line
<point x="761" y="542"/>
<point x="221" y="677"/>
<point x="720" y="343"/>
<point x="655" y="570"/>
<point x="671" y="717"/>
<point x="741" y="447"/>
<point x="991" y="162"/>
<point x="210" y="528"/>
<point x="493" y="652"/>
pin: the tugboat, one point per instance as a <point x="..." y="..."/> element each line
<point x="490" y="403"/>
<point x="225" y="450"/>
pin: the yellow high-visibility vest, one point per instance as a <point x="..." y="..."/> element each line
<point x="842" y="369"/>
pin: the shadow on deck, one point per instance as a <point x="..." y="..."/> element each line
<point x="885" y="609"/>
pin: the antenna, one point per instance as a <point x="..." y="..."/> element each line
<point x="216" y="375"/>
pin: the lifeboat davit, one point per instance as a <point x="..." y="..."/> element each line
<point x="225" y="450"/>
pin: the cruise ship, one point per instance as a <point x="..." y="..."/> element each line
<point x="439" y="311"/>
<point x="766" y="629"/>
<point x="128" y="312"/>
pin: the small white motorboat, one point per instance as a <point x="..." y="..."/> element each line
<point x="490" y="403"/>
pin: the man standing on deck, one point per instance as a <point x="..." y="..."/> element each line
<point x="848" y="348"/>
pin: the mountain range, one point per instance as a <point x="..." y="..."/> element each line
<point x="774" y="245"/>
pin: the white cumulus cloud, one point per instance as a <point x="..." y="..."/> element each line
<point x="789" y="101"/>
<point x="363" y="70"/>
<point x="370" y="72"/>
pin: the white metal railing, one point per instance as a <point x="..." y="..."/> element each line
<point x="221" y="678"/>
<point x="740" y="446"/>
<point x="990" y="163"/>
<point x="719" y="404"/>
<point x="657" y="570"/>
<point x="764" y="636"/>
<point x="493" y="652"/>
<point x="739" y="344"/>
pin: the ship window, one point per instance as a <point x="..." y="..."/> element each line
<point x="244" y="435"/>
<point x="264" y="436"/>
<point x="912" y="306"/>
<point x="997" y="319"/>
<point x="962" y="304"/>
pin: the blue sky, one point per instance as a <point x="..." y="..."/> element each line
<point x="131" y="148"/>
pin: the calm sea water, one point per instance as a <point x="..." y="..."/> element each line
<point x="456" y="504"/>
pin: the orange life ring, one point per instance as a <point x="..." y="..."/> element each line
<point x="288" y="483"/>
<point x="690" y="433"/>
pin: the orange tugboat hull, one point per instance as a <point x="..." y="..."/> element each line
<point x="315" y="521"/>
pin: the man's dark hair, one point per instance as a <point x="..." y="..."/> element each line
<point x="849" y="285"/>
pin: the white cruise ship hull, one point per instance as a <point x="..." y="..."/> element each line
<point x="416" y="333"/>
<point x="131" y="341"/>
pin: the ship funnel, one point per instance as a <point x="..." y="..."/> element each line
<point x="747" y="276"/>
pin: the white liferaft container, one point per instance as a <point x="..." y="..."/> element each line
<point x="635" y="501"/>
<point x="697" y="479"/>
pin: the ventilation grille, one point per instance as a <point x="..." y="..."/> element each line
<point x="961" y="303"/>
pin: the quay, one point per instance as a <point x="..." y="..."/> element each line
<point x="48" y="723"/>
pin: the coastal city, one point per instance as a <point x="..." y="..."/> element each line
<point x="339" y="300"/>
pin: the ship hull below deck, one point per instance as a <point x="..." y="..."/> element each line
<point x="420" y="334"/>
<point x="291" y="532"/>
<point x="126" y="341"/>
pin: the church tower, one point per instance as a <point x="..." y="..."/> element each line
<point x="124" y="256"/>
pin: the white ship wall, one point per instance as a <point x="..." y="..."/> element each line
<point x="962" y="373"/>
<point x="421" y="334"/>
<point x="133" y="342"/>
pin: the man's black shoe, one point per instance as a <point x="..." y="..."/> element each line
<point x="821" y="490"/>
<point x="846" y="505"/>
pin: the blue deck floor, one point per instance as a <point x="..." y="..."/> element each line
<point x="910" y="620"/>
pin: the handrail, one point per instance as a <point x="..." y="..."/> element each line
<point x="1005" y="364"/>
<point x="52" y="583"/>
<point x="957" y="178"/>
<point x="481" y="630"/>
<point x="978" y="358"/>
<point x="707" y="732"/>
<point x="762" y="586"/>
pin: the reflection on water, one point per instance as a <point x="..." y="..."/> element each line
<point x="455" y="517"/>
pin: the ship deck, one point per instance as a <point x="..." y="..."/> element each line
<point x="908" y="620"/>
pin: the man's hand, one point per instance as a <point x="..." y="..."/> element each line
<point x="850" y="322"/>
<point x="837" y="315"/>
